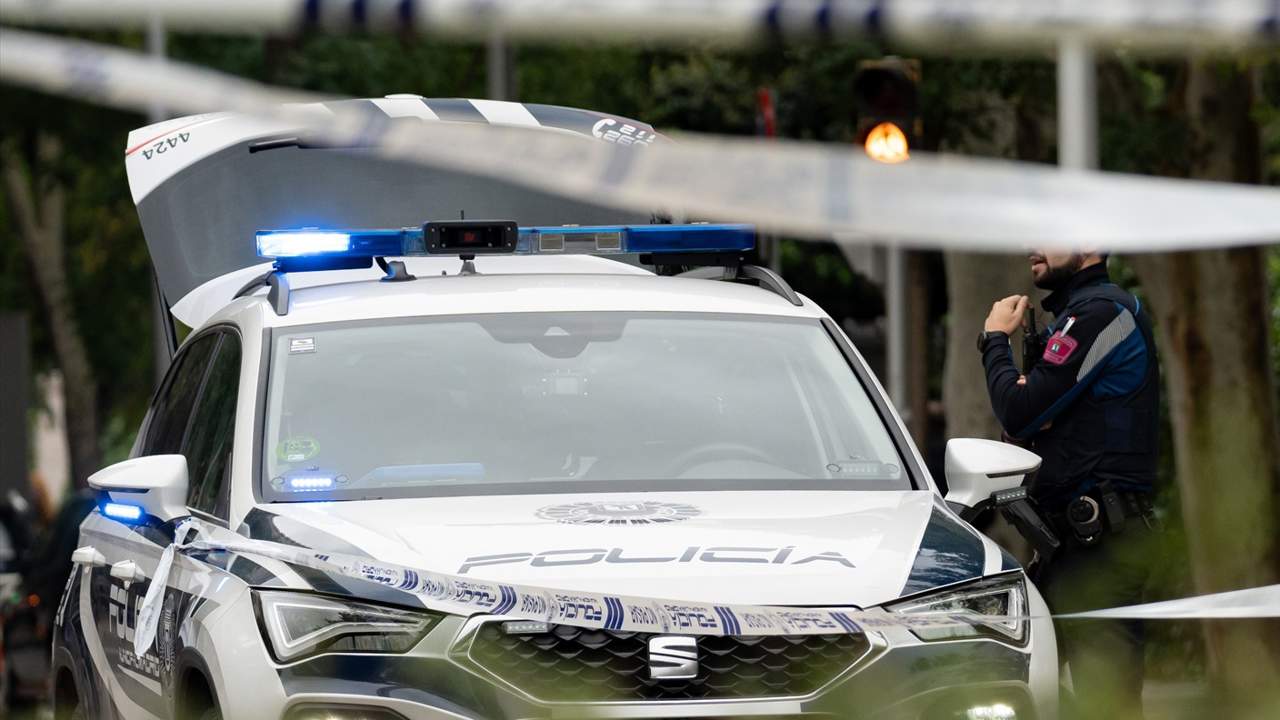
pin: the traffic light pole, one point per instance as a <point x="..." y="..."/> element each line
<point x="895" y="304"/>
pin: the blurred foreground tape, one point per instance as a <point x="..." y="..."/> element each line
<point x="1263" y="602"/>
<point x="808" y="189"/>
<point x="1153" y="25"/>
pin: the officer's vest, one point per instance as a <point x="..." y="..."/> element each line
<point x="1098" y="437"/>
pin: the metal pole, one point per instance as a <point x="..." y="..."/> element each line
<point x="895" y="296"/>
<point x="1077" y="105"/>
<point x="156" y="47"/>
<point x="499" y="68"/>
<point x="160" y="337"/>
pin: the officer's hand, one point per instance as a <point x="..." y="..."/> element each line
<point x="1006" y="315"/>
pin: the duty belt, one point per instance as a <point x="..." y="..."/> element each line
<point x="1116" y="508"/>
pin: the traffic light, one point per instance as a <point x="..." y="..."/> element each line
<point x="885" y="97"/>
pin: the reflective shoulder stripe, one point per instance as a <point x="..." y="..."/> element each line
<point x="1109" y="339"/>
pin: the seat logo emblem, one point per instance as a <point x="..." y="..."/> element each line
<point x="673" y="657"/>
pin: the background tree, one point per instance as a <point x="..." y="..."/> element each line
<point x="1213" y="309"/>
<point x="37" y="199"/>
<point x="70" y="255"/>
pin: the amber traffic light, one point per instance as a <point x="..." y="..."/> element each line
<point x="886" y="100"/>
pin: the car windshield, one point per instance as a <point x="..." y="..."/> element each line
<point x="564" y="402"/>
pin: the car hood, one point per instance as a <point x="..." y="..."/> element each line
<point x="204" y="185"/>
<point x="782" y="548"/>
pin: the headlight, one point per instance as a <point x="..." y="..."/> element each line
<point x="998" y="597"/>
<point x="298" y="624"/>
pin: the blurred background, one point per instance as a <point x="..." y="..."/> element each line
<point x="81" y="345"/>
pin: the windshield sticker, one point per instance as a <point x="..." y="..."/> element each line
<point x="610" y="130"/>
<point x="618" y="513"/>
<point x="298" y="346"/>
<point x="297" y="449"/>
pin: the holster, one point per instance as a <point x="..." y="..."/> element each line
<point x="1016" y="507"/>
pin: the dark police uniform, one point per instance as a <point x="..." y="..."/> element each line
<point x="1090" y="409"/>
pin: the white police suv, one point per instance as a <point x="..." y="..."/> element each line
<point x="531" y="465"/>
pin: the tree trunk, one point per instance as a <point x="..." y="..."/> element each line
<point x="975" y="280"/>
<point x="38" y="202"/>
<point x="1211" y="310"/>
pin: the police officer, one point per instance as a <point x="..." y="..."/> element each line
<point x="1090" y="408"/>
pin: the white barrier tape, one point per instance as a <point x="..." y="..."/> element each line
<point x="1262" y="602"/>
<point x="1137" y="24"/>
<point x="456" y="595"/>
<point x="149" y="612"/>
<point x="797" y="188"/>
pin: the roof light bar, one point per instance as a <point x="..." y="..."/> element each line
<point x="312" y="247"/>
<point x="315" y="249"/>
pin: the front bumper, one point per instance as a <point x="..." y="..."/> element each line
<point x="897" y="677"/>
<point x="894" y="676"/>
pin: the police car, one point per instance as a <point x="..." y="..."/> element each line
<point x="449" y="372"/>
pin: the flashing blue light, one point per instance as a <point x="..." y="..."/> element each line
<point x="311" y="482"/>
<point x="296" y="243"/>
<point x="311" y="243"/>
<point x="122" y="512"/>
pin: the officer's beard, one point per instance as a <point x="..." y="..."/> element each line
<point x="1056" y="278"/>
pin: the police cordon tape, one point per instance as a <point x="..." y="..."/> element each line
<point x="1005" y="24"/>
<point x="458" y="595"/>
<point x="801" y="189"/>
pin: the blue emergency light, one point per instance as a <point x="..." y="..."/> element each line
<point x="471" y="237"/>
<point x="333" y="243"/>
<point x="311" y="482"/>
<point x="130" y="514"/>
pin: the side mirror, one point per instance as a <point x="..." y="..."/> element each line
<point x="976" y="468"/>
<point x="156" y="483"/>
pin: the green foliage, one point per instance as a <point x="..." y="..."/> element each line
<point x="1138" y="124"/>
<point x="1273" y="277"/>
<point x="954" y="96"/>
<point x="1267" y="114"/>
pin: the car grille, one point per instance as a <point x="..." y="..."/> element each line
<point x="569" y="664"/>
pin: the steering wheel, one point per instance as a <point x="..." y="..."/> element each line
<point x="716" y="451"/>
